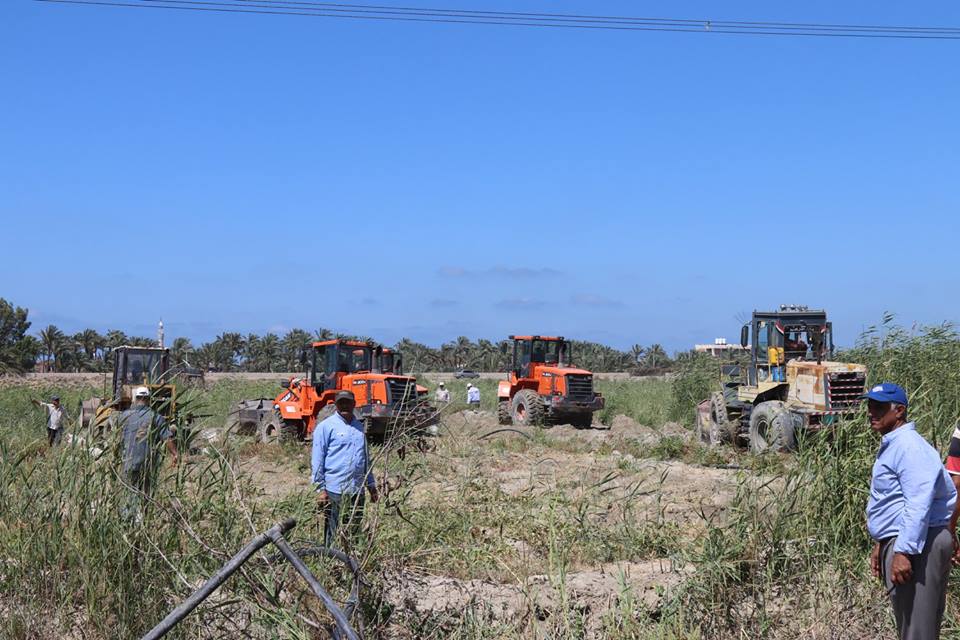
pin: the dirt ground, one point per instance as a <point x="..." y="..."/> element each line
<point x="470" y="447"/>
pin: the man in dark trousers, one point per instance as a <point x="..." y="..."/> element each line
<point x="55" y="419"/>
<point x="143" y="431"/>
<point x="911" y="504"/>
<point x="340" y="465"/>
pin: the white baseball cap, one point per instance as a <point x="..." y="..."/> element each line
<point x="441" y="384"/>
<point x="141" y="392"/>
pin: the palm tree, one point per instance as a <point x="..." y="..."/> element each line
<point x="181" y="349"/>
<point x="271" y="357"/>
<point x="656" y="357"/>
<point x="291" y="345"/>
<point x="51" y="340"/>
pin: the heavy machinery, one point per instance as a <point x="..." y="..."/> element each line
<point x="788" y="383"/>
<point x="542" y="387"/>
<point x="387" y="402"/>
<point x="134" y="367"/>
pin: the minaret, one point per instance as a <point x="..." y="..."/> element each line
<point x="160" y="334"/>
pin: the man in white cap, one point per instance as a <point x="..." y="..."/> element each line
<point x="443" y="395"/>
<point x="55" y="416"/>
<point x="473" y="396"/>
<point x="143" y="430"/>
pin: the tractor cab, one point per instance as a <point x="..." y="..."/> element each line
<point x="334" y="359"/>
<point x="530" y="351"/>
<point x="777" y="337"/>
<point x="391" y="362"/>
<point x="134" y="367"/>
<point x="140" y="367"/>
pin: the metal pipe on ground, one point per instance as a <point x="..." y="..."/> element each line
<point x="184" y="608"/>
<point x="343" y="625"/>
<point x="273" y="535"/>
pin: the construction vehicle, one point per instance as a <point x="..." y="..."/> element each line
<point x="542" y="387"/>
<point x="387" y="401"/>
<point x="134" y="367"/>
<point x="787" y="384"/>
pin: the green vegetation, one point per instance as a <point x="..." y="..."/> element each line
<point x="773" y="548"/>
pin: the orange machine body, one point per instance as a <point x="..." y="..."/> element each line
<point x="541" y="367"/>
<point x="383" y="398"/>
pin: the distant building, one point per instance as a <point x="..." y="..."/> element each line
<point x="719" y="348"/>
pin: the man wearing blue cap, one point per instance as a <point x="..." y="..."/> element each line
<point x="911" y="503"/>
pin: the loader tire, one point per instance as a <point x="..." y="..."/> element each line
<point x="722" y="430"/>
<point x="274" y="430"/>
<point x="503" y="412"/>
<point x="772" y="428"/>
<point x="527" y="408"/>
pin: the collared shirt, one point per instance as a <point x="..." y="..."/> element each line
<point x="340" y="462"/>
<point x="143" y="429"/>
<point x="443" y="395"/>
<point x="910" y="491"/>
<point x="54" y="415"/>
<point x="953" y="454"/>
<point x="473" y="394"/>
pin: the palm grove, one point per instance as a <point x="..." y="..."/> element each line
<point x="51" y="349"/>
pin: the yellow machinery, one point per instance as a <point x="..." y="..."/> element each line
<point x="789" y="383"/>
<point x="134" y="367"/>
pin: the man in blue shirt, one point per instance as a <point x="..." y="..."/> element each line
<point x="911" y="503"/>
<point x="341" y="468"/>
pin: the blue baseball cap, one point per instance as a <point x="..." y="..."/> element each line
<point x="887" y="392"/>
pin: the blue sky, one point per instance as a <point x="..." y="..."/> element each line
<point x="258" y="173"/>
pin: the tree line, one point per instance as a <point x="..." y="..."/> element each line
<point x="52" y="349"/>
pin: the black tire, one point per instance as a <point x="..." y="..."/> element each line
<point x="772" y="428"/>
<point x="503" y="412"/>
<point x="273" y="429"/>
<point x="527" y="408"/>
<point x="724" y="431"/>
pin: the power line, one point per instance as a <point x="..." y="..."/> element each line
<point x="305" y="8"/>
<point x="582" y="17"/>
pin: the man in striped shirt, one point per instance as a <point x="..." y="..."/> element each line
<point x="953" y="468"/>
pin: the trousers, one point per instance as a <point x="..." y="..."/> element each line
<point x="918" y="606"/>
<point x="341" y="510"/>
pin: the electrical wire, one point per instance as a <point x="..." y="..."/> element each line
<point x="304" y="8"/>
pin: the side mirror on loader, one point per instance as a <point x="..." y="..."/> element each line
<point x="745" y="336"/>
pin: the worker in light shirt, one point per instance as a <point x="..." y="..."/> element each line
<point x="912" y="503"/>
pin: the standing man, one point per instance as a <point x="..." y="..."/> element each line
<point x="55" y="416"/>
<point x="341" y="468"/>
<point x="443" y="396"/>
<point x="473" y="396"/>
<point x="143" y="430"/>
<point x="953" y="468"/>
<point x="911" y="504"/>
